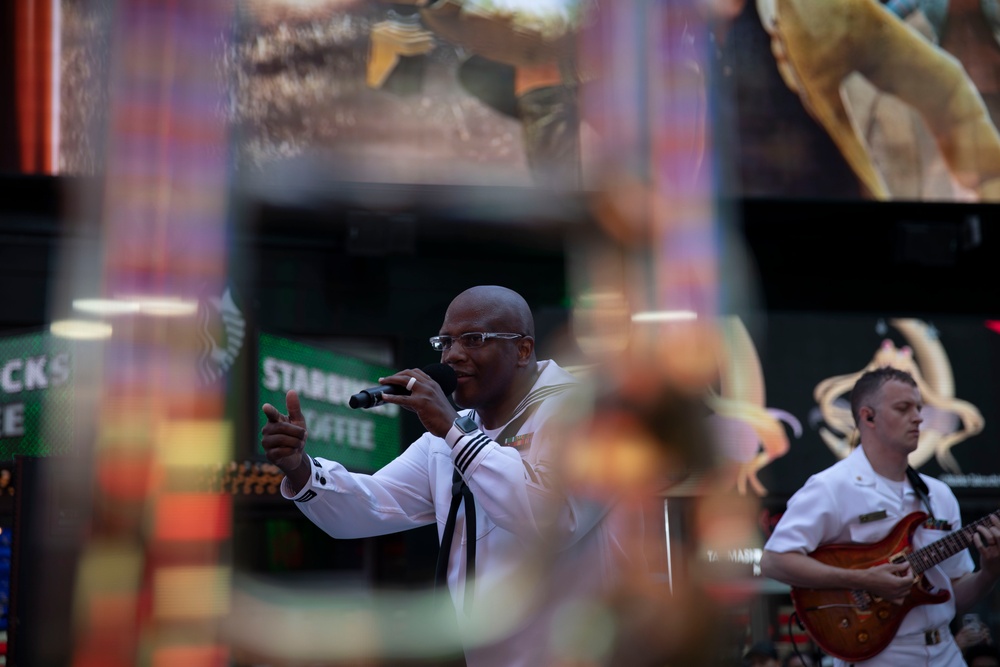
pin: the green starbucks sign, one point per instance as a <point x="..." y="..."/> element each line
<point x="361" y="440"/>
<point x="36" y="395"/>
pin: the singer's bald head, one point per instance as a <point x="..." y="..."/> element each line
<point x="504" y="309"/>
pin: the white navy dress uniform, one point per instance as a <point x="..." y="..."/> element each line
<point x="849" y="502"/>
<point x="515" y="507"/>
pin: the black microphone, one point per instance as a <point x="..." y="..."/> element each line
<point x="443" y="374"/>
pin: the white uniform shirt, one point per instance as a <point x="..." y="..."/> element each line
<point x="520" y="516"/>
<point x="828" y="509"/>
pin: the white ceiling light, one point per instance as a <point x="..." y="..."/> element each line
<point x="80" y="329"/>
<point x="105" y="306"/>
<point x="163" y="306"/>
<point x="168" y="307"/>
<point x="665" y="316"/>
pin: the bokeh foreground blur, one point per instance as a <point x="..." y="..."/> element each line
<point x="261" y="195"/>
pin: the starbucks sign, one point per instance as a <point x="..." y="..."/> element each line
<point x="361" y="440"/>
<point x="36" y="397"/>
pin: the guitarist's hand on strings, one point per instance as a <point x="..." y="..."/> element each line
<point x="889" y="581"/>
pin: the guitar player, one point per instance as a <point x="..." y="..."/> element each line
<point x="860" y="500"/>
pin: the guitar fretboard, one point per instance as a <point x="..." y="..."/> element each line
<point x="929" y="556"/>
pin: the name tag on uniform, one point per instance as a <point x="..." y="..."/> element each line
<point x="873" y="516"/>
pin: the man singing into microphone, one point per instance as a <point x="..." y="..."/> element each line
<point x="488" y="471"/>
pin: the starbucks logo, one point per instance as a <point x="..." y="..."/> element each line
<point x="222" y="329"/>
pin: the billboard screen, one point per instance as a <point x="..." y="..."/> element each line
<point x="787" y="390"/>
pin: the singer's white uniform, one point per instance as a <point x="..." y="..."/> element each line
<point x="536" y="548"/>
<point x="850" y="502"/>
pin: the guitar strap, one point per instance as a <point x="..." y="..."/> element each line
<point x="921" y="488"/>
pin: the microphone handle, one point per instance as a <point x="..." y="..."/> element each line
<point x="442" y="374"/>
<point x="370" y="398"/>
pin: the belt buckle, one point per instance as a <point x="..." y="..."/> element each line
<point x="932" y="637"/>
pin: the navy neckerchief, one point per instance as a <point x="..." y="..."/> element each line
<point x="460" y="491"/>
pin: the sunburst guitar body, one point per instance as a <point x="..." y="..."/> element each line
<point x="856" y="625"/>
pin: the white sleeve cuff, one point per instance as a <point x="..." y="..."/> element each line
<point x="317" y="478"/>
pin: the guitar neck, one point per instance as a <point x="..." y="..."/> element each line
<point x="929" y="556"/>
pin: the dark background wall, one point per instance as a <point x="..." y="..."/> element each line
<point x="851" y="256"/>
<point x="366" y="264"/>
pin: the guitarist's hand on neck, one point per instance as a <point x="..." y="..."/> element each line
<point x="974" y="587"/>
<point x="987" y="541"/>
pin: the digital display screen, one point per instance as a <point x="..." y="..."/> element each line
<point x="789" y="378"/>
<point x="855" y="99"/>
<point x="389" y="92"/>
<point x="371" y="91"/>
<point x="891" y="100"/>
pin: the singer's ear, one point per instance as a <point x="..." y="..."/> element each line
<point x="525" y="350"/>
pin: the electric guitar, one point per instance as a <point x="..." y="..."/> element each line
<point x="855" y="625"/>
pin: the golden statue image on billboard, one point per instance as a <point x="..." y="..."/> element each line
<point x="948" y="420"/>
<point x="820" y="45"/>
<point x="748" y="433"/>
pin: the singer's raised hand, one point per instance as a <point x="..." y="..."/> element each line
<point x="284" y="440"/>
<point x="426" y="398"/>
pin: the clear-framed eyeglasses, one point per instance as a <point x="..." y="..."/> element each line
<point x="470" y="340"/>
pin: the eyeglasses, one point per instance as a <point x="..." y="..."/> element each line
<point x="469" y="340"/>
